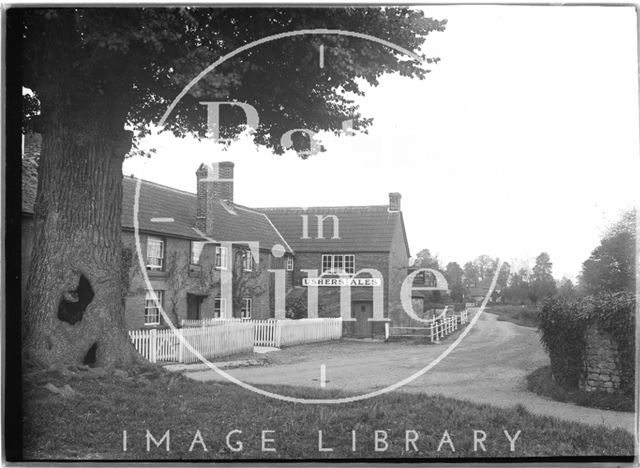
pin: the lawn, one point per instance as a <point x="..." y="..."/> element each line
<point x="523" y="315"/>
<point x="541" y="383"/>
<point x="90" y="423"/>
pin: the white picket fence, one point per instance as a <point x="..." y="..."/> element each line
<point x="265" y="333"/>
<point x="210" y="322"/>
<point x="435" y="329"/>
<point x="293" y="332"/>
<point x="210" y="342"/>
<point x="286" y="332"/>
<point x="222" y="337"/>
<point x="463" y="317"/>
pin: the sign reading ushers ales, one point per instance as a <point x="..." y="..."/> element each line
<point x="341" y="282"/>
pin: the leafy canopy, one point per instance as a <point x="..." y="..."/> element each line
<point x="124" y="66"/>
<point x="611" y="266"/>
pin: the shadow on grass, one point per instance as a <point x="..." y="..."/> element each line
<point x="541" y="382"/>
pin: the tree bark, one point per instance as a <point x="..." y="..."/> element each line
<point x="78" y="234"/>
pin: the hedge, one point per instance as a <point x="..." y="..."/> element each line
<point x="563" y="326"/>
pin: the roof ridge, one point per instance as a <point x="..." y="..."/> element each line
<point x="271" y="223"/>
<point x="132" y="177"/>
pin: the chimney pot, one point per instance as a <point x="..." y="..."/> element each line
<point x="394" y="201"/>
<point x="215" y="183"/>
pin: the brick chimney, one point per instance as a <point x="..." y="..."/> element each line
<point x="394" y="201"/>
<point x="215" y="183"/>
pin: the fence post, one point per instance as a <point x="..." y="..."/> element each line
<point x="153" y="344"/>
<point x="278" y="333"/>
<point x="180" y="346"/>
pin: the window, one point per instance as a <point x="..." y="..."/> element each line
<point x="221" y="258"/>
<point x="196" y="251"/>
<point x="155" y="253"/>
<point x="350" y="264"/>
<point x="247" y="260"/>
<point x="247" y="307"/>
<point x="289" y="263"/>
<point x="219" y="307"/>
<point x="337" y="264"/>
<point x="152" y="307"/>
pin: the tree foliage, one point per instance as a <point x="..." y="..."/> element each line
<point x="566" y="289"/>
<point x="131" y="63"/>
<point x="471" y="276"/>
<point x="424" y="259"/>
<point x="611" y="266"/>
<point x="542" y="283"/>
<point x="517" y="291"/>
<point x="454" y="275"/>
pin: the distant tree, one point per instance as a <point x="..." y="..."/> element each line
<point x="485" y="266"/>
<point x="424" y="259"/>
<point x="503" y="277"/>
<point x="517" y="291"/>
<point x="454" y="275"/>
<point x="470" y="278"/>
<point x="542" y="283"/>
<point x="566" y="289"/>
<point x="611" y="266"/>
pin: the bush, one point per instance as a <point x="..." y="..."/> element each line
<point x="563" y="324"/>
<point x="296" y="308"/>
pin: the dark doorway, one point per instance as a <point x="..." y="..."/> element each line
<point x="193" y="306"/>
<point x="362" y="312"/>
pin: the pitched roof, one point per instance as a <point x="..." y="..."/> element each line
<point x="174" y="212"/>
<point x="231" y="222"/>
<point x="360" y="228"/>
<point x="159" y="202"/>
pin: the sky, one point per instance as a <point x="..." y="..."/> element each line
<point x="522" y="139"/>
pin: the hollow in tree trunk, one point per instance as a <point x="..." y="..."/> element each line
<point x="74" y="311"/>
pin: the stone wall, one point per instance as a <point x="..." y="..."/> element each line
<point x="601" y="363"/>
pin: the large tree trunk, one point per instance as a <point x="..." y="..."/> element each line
<point x="73" y="300"/>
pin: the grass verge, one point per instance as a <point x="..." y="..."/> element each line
<point x="89" y="423"/>
<point x="541" y="382"/>
<point x="526" y="316"/>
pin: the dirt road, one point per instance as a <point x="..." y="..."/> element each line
<point x="489" y="366"/>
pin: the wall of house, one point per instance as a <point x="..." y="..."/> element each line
<point x="329" y="297"/>
<point x="177" y="281"/>
<point x="398" y="266"/>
